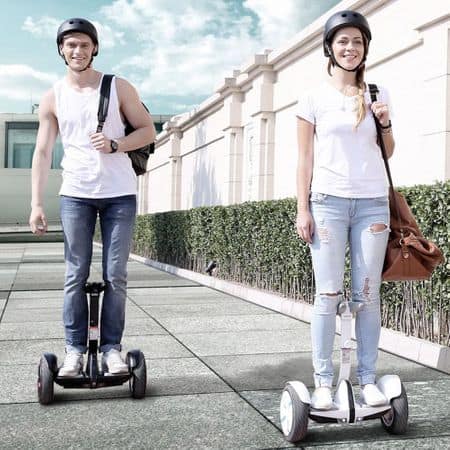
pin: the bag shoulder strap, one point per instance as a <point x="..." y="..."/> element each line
<point x="373" y="89"/>
<point x="105" y="90"/>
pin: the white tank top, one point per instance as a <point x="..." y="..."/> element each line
<point x="88" y="173"/>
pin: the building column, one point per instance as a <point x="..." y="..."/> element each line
<point x="264" y="132"/>
<point x="233" y="156"/>
<point x="143" y="193"/>
<point x="175" y="162"/>
<point x="233" y="132"/>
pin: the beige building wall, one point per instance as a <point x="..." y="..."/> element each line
<point x="240" y="144"/>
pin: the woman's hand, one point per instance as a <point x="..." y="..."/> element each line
<point x="381" y="112"/>
<point x="305" y="225"/>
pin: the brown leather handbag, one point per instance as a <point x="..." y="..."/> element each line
<point x="409" y="256"/>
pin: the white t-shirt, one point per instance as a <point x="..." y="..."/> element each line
<point x="347" y="160"/>
<point x="88" y="173"/>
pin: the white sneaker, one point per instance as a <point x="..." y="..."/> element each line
<point x="114" y="362"/>
<point x="73" y="364"/>
<point x="372" y="396"/>
<point x="321" y="398"/>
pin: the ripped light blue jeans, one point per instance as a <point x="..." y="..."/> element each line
<point x="363" y="223"/>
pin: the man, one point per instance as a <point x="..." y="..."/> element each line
<point x="97" y="179"/>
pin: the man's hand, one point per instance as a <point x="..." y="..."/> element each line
<point x="100" y="142"/>
<point x="38" y="221"/>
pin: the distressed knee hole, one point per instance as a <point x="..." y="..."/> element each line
<point x="331" y="294"/>
<point x="378" y="228"/>
<point x="366" y="290"/>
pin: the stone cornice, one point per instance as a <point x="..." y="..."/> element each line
<point x="272" y="61"/>
<point x="431" y="23"/>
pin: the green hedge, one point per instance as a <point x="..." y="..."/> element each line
<point x="255" y="243"/>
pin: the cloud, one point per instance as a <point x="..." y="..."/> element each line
<point x="185" y="49"/>
<point x="46" y="27"/>
<point x="277" y="24"/>
<point x="188" y="47"/>
<point x="20" y="82"/>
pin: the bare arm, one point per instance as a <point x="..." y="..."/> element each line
<point x="389" y="143"/>
<point x="42" y="159"/>
<point x="305" y="140"/>
<point x="381" y="111"/>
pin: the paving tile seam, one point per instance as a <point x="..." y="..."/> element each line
<point x="387" y="440"/>
<point x="11" y="287"/>
<point x="308" y="352"/>
<point x="38" y="261"/>
<point x="2" y="312"/>
<point x="159" y="358"/>
<point x="31" y="321"/>
<point x="122" y="396"/>
<point x="130" y="287"/>
<point x="166" y="286"/>
<point x="193" y="333"/>
<point x="53" y="338"/>
<point x="214" y="372"/>
<point x="206" y="303"/>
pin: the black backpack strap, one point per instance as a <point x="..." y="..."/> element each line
<point x="105" y="90"/>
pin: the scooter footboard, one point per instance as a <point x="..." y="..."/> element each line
<point x="85" y="382"/>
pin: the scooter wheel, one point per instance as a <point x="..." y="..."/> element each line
<point x="46" y="374"/>
<point x="293" y="415"/>
<point x="138" y="370"/>
<point x="395" y="421"/>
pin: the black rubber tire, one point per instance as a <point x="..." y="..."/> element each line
<point x="300" y="417"/>
<point x="45" y="382"/>
<point x="138" y="369"/>
<point x="396" y="420"/>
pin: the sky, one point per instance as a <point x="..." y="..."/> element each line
<point x="175" y="52"/>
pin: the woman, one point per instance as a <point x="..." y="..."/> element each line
<point x="342" y="197"/>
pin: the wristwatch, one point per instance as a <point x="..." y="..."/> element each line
<point x="114" y="146"/>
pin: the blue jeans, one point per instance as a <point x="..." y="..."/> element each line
<point x="364" y="224"/>
<point x="78" y="216"/>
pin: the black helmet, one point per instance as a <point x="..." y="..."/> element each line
<point x="77" y="25"/>
<point x="343" y="19"/>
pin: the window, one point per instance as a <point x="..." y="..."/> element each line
<point x="20" y="143"/>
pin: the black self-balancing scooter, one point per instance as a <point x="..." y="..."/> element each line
<point x="92" y="376"/>
<point x="296" y="409"/>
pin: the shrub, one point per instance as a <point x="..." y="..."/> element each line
<point x="255" y="243"/>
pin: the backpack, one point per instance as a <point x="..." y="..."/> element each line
<point x="139" y="157"/>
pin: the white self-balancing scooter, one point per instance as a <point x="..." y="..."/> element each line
<point x="295" y="406"/>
